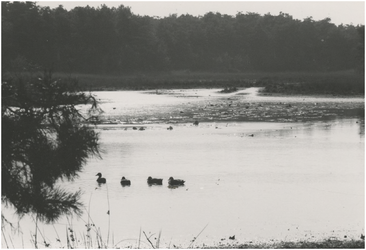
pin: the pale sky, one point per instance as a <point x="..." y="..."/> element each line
<point x="346" y="12"/>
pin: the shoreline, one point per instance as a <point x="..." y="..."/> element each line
<point x="334" y="83"/>
<point x="329" y="243"/>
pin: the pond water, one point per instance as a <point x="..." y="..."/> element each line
<point x="259" y="181"/>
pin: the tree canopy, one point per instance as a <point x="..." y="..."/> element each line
<point x="114" y="40"/>
<point x="43" y="141"/>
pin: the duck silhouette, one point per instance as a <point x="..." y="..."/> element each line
<point x="125" y="182"/>
<point x="175" y="182"/>
<point x="154" y="181"/>
<point x="100" y="179"/>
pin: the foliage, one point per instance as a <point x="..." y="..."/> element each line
<point x="43" y="141"/>
<point x="114" y="40"/>
<point x="360" y="66"/>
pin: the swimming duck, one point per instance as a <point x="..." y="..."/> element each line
<point x="100" y="179"/>
<point x="175" y="182"/>
<point x="155" y="181"/>
<point x="125" y="182"/>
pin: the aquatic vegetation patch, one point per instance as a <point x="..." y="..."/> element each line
<point x="326" y="243"/>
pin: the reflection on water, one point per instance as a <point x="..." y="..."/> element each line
<point x="288" y="181"/>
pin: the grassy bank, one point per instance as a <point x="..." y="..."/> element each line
<point x="292" y="83"/>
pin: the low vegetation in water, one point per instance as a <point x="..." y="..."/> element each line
<point x="326" y="243"/>
<point x="229" y="90"/>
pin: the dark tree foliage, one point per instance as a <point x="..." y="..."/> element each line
<point x="360" y="50"/>
<point x="114" y="40"/>
<point x="43" y="142"/>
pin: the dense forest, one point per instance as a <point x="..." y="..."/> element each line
<point x="114" y="40"/>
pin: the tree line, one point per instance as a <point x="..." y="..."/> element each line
<point x="114" y="40"/>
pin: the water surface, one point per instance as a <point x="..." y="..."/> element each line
<point x="259" y="181"/>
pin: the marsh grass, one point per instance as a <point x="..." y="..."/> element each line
<point x="333" y="83"/>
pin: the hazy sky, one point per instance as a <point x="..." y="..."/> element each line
<point x="346" y="12"/>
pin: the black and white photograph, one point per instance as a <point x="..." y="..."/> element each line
<point x="182" y="124"/>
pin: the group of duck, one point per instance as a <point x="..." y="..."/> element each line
<point x="150" y="181"/>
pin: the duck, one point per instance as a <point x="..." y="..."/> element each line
<point x="100" y="179"/>
<point x="125" y="182"/>
<point x="155" y="181"/>
<point x="175" y="182"/>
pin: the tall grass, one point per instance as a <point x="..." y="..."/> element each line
<point x="87" y="240"/>
<point x="72" y="241"/>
